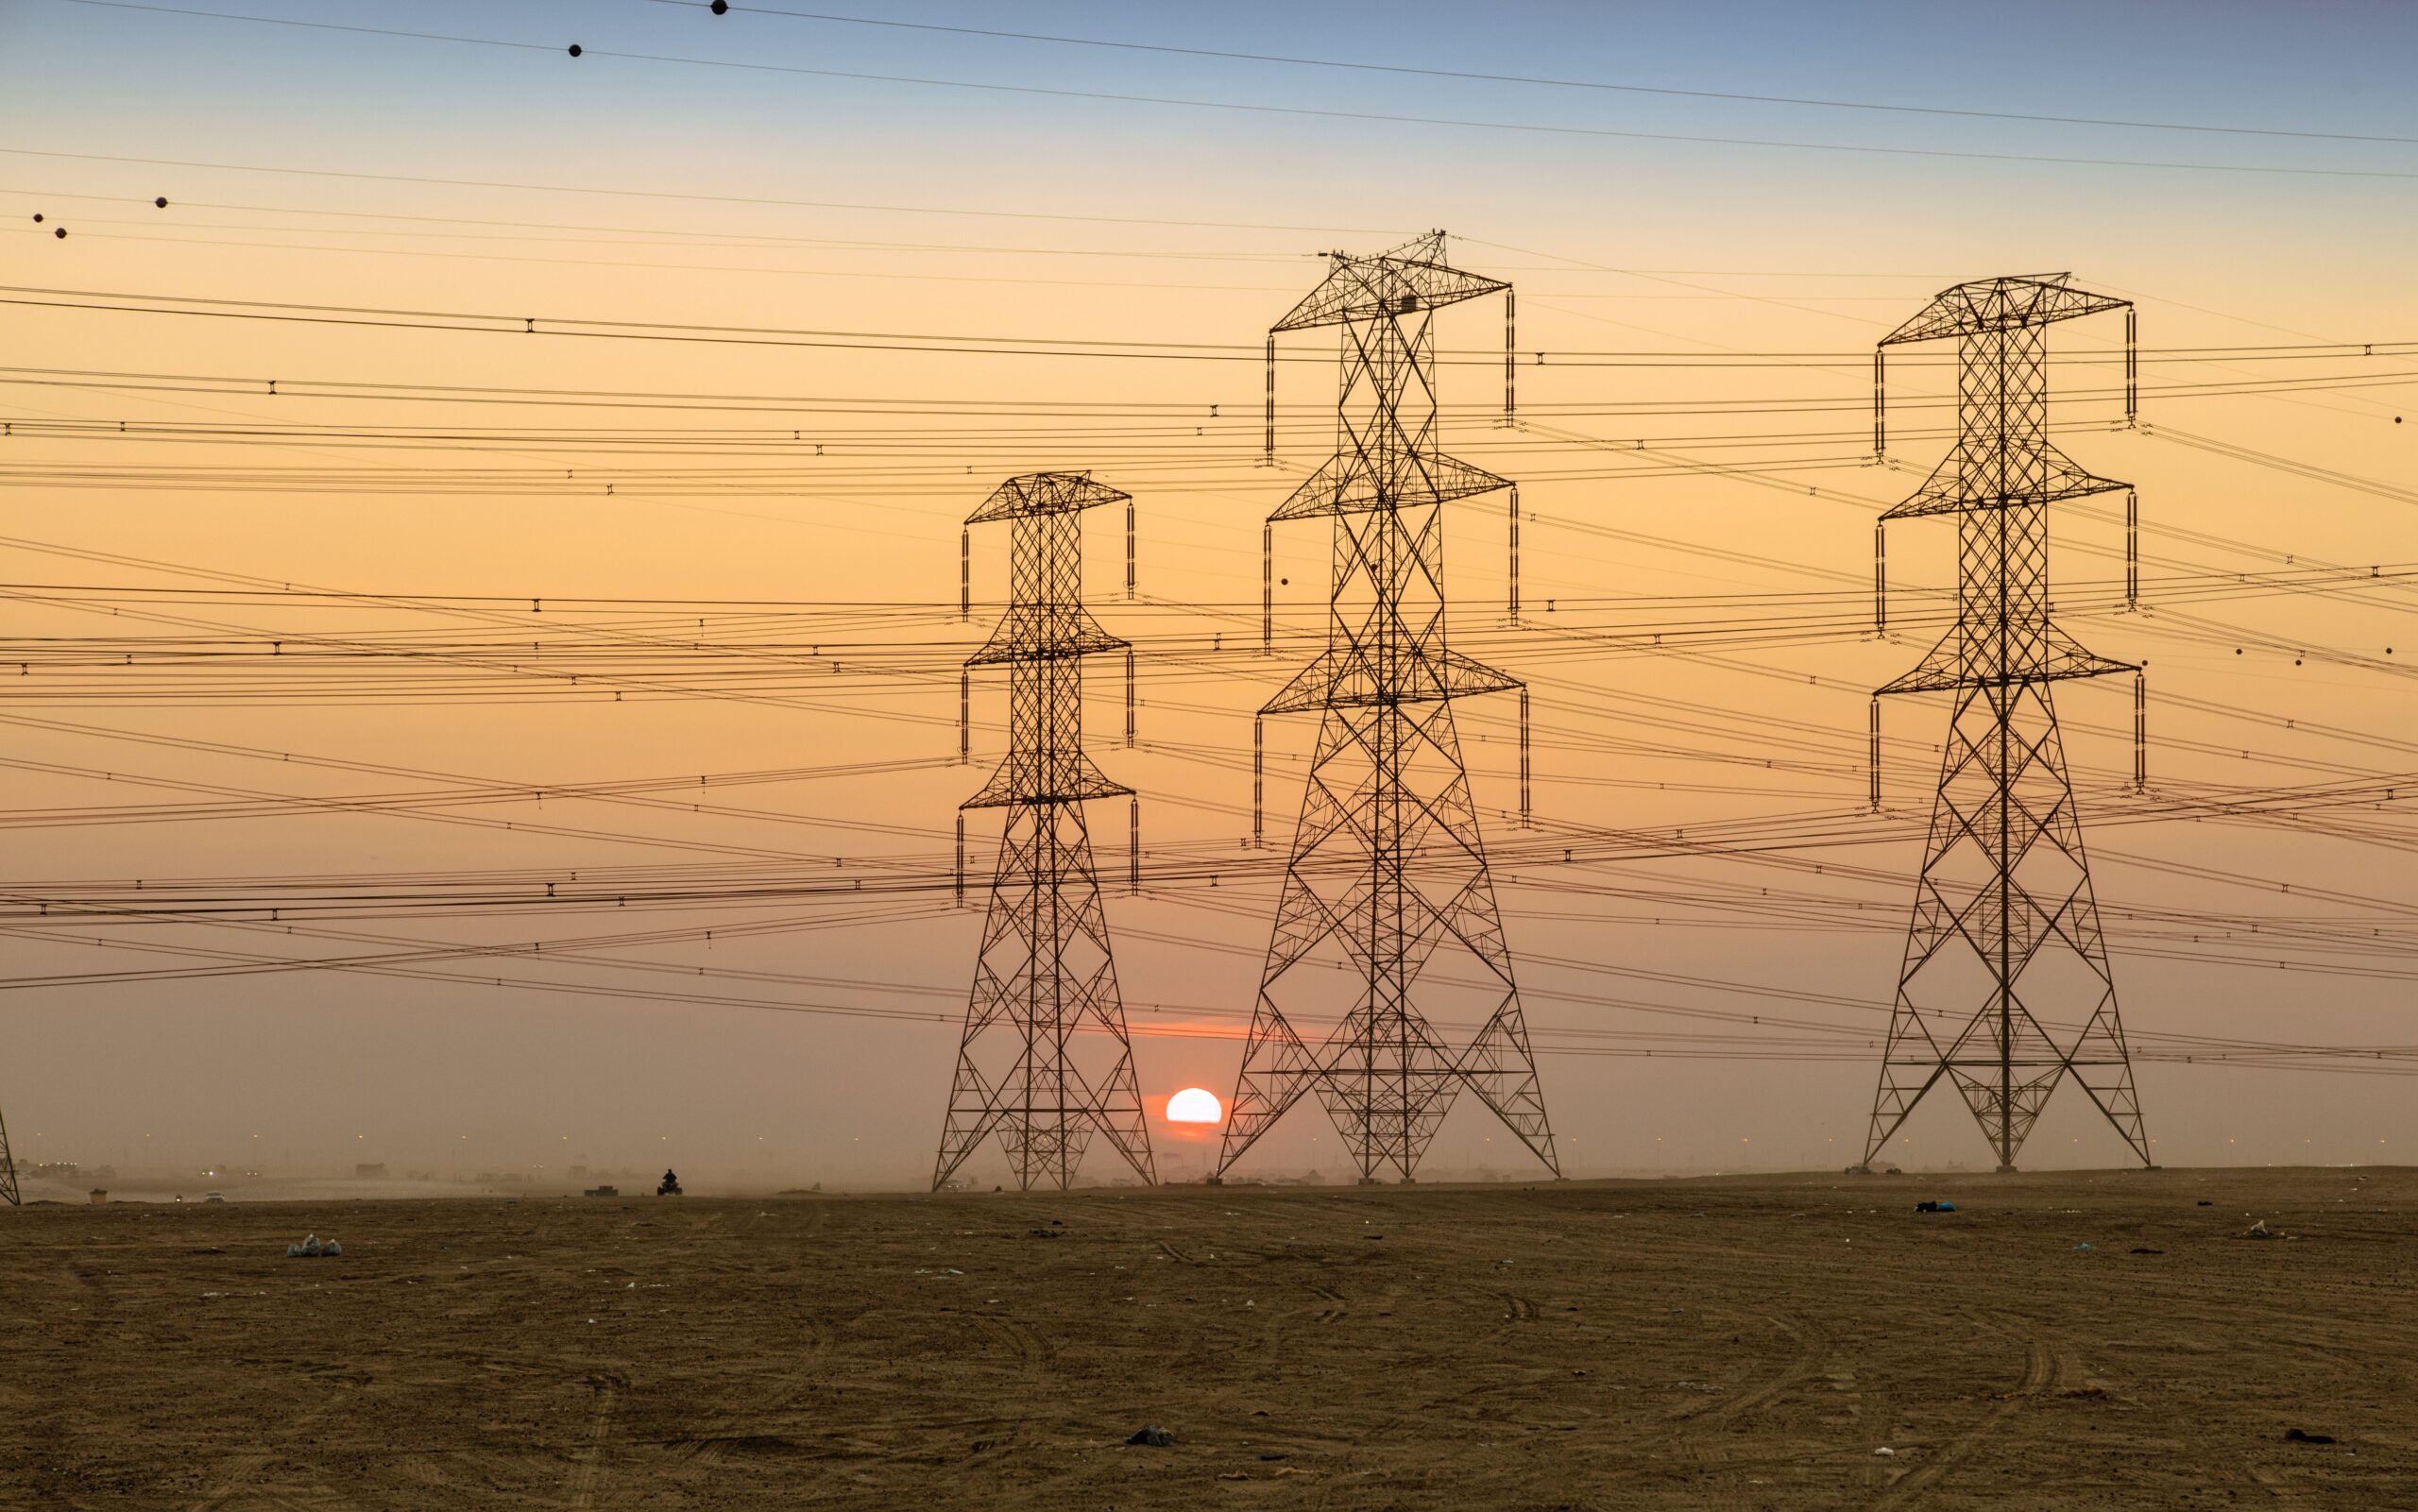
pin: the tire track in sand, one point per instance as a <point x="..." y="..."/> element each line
<point x="706" y="1448"/>
<point x="1704" y="1432"/>
<point x="580" y="1488"/>
<point x="2042" y="1370"/>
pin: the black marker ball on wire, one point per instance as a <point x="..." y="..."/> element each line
<point x="574" y="49"/>
<point x="161" y="202"/>
<point x="721" y="8"/>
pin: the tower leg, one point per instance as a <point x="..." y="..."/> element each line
<point x="1387" y="786"/>
<point x="2005" y="988"/>
<point x="1044" y="1063"/>
<point x="7" y="1168"/>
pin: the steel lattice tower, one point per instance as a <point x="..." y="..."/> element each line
<point x="2005" y="988"/>
<point x="1387" y="879"/>
<point x="7" y="1168"/>
<point x="1045" y="1063"/>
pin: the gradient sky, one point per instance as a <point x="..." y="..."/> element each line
<point x="700" y="169"/>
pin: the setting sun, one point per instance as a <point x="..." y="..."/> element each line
<point x="1195" y="1105"/>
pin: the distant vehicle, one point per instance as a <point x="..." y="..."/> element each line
<point x="602" y="1191"/>
<point x="668" y="1186"/>
<point x="214" y="1197"/>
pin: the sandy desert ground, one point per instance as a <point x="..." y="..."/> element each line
<point x="1746" y="1342"/>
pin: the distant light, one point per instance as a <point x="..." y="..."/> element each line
<point x="1196" y="1105"/>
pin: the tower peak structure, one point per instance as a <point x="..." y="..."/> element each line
<point x="1388" y="922"/>
<point x="7" y="1168"/>
<point x="1045" y="1063"/>
<point x="2005" y="988"/>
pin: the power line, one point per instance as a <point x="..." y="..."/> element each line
<point x="1549" y="82"/>
<point x="1291" y="111"/>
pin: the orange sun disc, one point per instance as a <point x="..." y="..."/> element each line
<point x="1195" y="1105"/>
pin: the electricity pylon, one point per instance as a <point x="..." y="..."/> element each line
<point x="1388" y="917"/>
<point x="1045" y="1063"/>
<point x="7" y="1168"/>
<point x="2005" y="988"/>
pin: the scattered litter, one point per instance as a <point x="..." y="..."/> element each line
<point x="2144" y="1249"/>
<point x="1047" y="1234"/>
<point x="1290" y="1470"/>
<point x="314" y="1248"/>
<point x="2302" y="1435"/>
<point x="1153" y="1436"/>
<point x="2205" y="1203"/>
<point x="2082" y="1247"/>
<point x="954" y="1271"/>
<point x="1934" y="1207"/>
<point x="1705" y="1386"/>
<point x="2257" y="1230"/>
<point x="1885" y="1450"/>
<point x="1232" y="1475"/>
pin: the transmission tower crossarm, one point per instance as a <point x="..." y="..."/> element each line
<point x="1410" y="278"/>
<point x="1348" y="485"/>
<point x="2011" y="302"/>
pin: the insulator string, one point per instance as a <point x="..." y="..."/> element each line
<point x="1268" y="590"/>
<point x="1515" y="551"/>
<point x="1527" y="812"/>
<point x="1879" y="404"/>
<point x="2132" y="550"/>
<point x="1510" y="366"/>
<point x="1270" y="458"/>
<point x="2132" y="366"/>
<point x="1258" y="781"/>
<point x="1874" y="759"/>
<point x="1879" y="577"/>
<point x="2140" y="731"/>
